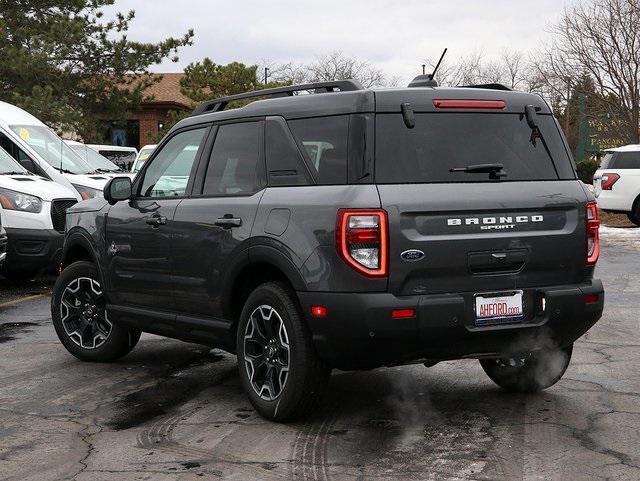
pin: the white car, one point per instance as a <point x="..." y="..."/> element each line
<point x="143" y="156"/>
<point x="42" y="152"/>
<point x="100" y="163"/>
<point x="617" y="182"/>
<point x="33" y="213"/>
<point x="123" y="157"/>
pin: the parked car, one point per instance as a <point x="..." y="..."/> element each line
<point x="33" y="214"/>
<point x="349" y="228"/>
<point x="617" y="182"/>
<point x="42" y="152"/>
<point x="123" y="157"/>
<point x="98" y="162"/>
<point x="143" y="156"/>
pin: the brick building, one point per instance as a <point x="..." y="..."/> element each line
<point x="144" y="123"/>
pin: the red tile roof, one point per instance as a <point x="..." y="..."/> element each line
<point x="167" y="90"/>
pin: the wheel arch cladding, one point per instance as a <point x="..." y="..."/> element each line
<point x="77" y="248"/>
<point x="264" y="264"/>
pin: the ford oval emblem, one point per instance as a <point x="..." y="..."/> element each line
<point x="412" y="255"/>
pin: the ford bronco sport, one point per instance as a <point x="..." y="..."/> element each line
<point x="345" y="228"/>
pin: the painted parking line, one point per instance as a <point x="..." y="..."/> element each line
<point x="23" y="299"/>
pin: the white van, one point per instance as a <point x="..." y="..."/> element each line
<point x="42" y="152"/>
<point x="33" y="213"/>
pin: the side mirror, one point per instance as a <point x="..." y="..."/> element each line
<point x="117" y="189"/>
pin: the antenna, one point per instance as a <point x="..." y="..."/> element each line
<point x="426" y="80"/>
<point x="433" y="74"/>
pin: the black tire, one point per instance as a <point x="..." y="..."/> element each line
<point x="86" y="332"/>
<point x="307" y="376"/>
<point x="530" y="372"/>
<point x="634" y="215"/>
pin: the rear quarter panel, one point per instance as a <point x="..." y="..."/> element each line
<point x="302" y="220"/>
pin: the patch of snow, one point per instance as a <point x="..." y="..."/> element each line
<point x="620" y="236"/>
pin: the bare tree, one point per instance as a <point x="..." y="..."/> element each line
<point x="511" y="69"/>
<point x="464" y="71"/>
<point x="517" y="70"/>
<point x="337" y="66"/>
<point x="332" y="66"/>
<point x="284" y="72"/>
<point x="601" y="39"/>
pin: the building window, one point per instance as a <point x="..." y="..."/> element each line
<point x="125" y="134"/>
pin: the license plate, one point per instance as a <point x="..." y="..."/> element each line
<point x="498" y="307"/>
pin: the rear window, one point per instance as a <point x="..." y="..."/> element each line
<point x="443" y="141"/>
<point x="621" y="160"/>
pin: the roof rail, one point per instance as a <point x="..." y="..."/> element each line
<point x="218" y="105"/>
<point x="485" y="86"/>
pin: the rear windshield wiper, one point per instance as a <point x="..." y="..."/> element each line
<point x="495" y="171"/>
<point x="531" y="114"/>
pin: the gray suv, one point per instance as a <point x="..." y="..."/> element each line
<point x="330" y="226"/>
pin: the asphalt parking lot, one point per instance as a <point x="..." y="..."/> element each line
<point x="175" y="411"/>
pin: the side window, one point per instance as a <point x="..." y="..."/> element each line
<point x="285" y="165"/>
<point x="20" y="155"/>
<point x="234" y="165"/>
<point x="324" y="139"/>
<point x="169" y="172"/>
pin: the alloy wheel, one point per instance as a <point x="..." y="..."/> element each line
<point x="266" y="352"/>
<point x="83" y="313"/>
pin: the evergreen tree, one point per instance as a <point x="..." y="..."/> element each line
<point x="66" y="64"/>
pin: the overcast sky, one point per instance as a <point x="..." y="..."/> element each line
<point x="396" y="35"/>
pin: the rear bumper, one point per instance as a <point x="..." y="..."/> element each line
<point x="33" y="249"/>
<point x="359" y="333"/>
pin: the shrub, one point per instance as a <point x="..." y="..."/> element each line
<point x="586" y="169"/>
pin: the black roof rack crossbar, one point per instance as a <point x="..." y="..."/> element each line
<point x="218" y="105"/>
<point x="485" y="86"/>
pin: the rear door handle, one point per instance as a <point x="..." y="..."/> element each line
<point x="228" y="222"/>
<point x="156" y="220"/>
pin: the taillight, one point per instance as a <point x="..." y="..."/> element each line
<point x="593" y="235"/>
<point x="608" y="180"/>
<point x="469" y="104"/>
<point x="362" y="240"/>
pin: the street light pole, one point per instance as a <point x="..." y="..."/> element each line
<point x="266" y="75"/>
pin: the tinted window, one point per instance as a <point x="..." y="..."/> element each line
<point x="621" y="160"/>
<point x="285" y="165"/>
<point x="122" y="158"/>
<point x="168" y="174"/>
<point x="440" y="142"/>
<point x="324" y="139"/>
<point x="233" y="166"/>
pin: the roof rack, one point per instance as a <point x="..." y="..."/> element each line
<point x="485" y="86"/>
<point x="218" y="105"/>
